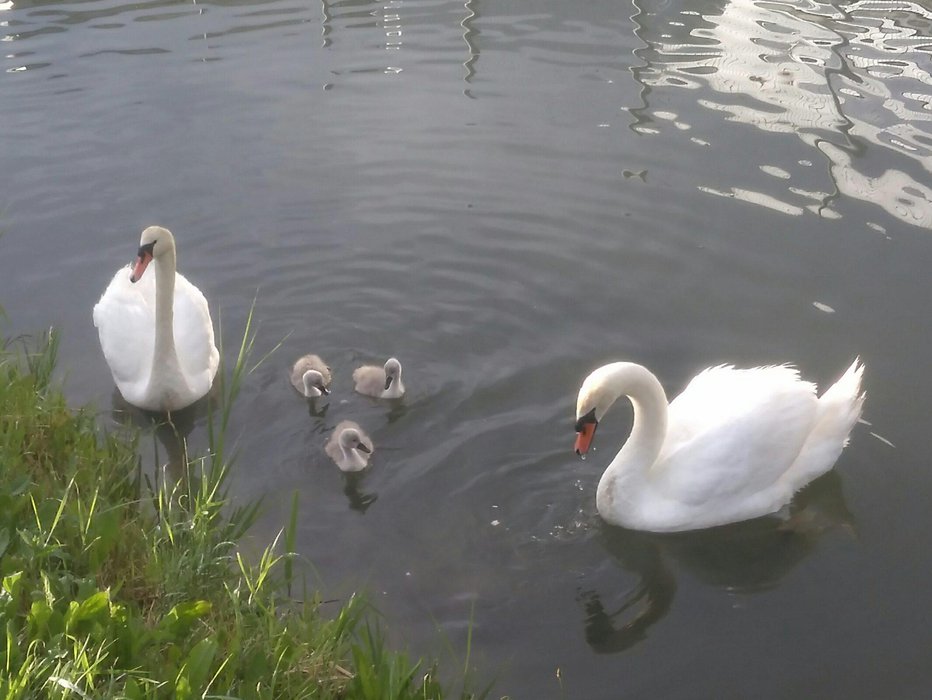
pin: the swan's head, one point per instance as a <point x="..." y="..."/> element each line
<point x="592" y="404"/>
<point x="392" y="372"/>
<point x="351" y="440"/>
<point x="314" y="384"/>
<point x="154" y="242"/>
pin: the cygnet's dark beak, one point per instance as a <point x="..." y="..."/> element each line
<point x="388" y="381"/>
<point x="363" y="448"/>
<point x="324" y="390"/>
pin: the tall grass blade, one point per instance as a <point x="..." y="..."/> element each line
<point x="290" y="539"/>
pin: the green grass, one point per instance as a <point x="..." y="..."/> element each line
<point x="111" y="587"/>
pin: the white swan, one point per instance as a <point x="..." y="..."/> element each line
<point x="349" y="447"/>
<point x="736" y="444"/>
<point x="155" y="330"/>
<point x="311" y="376"/>
<point x="381" y="382"/>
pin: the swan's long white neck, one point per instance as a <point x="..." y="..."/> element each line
<point x="625" y="477"/>
<point x="166" y="369"/>
<point x="396" y="390"/>
<point x="164" y="308"/>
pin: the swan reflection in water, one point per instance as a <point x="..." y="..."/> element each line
<point x="315" y="410"/>
<point x="171" y="431"/>
<point x="358" y="499"/>
<point x="740" y="558"/>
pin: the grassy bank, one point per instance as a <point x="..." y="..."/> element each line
<point x="114" y="588"/>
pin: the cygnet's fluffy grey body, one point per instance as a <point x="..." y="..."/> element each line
<point x="311" y="376"/>
<point x="349" y="447"/>
<point x="381" y="382"/>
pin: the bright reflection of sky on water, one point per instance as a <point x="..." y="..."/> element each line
<point x="839" y="77"/>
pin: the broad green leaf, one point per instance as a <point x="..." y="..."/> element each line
<point x="132" y="690"/>
<point x="11" y="583"/>
<point x="39" y="614"/>
<point x="196" y="669"/>
<point x="179" y="619"/>
<point x="94" y="606"/>
<point x="183" y="688"/>
<point x="93" y="609"/>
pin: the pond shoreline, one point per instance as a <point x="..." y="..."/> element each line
<point x="115" y="587"/>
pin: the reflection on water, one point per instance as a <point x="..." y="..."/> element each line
<point x="840" y="78"/>
<point x="628" y="622"/>
<point x="214" y="25"/>
<point x="470" y="36"/>
<point x="389" y="18"/>
<point x="170" y="430"/>
<point x="317" y="408"/>
<point x="358" y="499"/>
<point x="742" y="558"/>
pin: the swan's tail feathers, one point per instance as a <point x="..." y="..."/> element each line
<point x="838" y="412"/>
<point x="844" y="399"/>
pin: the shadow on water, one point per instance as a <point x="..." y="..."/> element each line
<point x="744" y="558"/>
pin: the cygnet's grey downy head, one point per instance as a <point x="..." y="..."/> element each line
<point x="349" y="447"/>
<point x="311" y="376"/>
<point x="392" y="373"/>
<point x="351" y="440"/>
<point x="314" y="384"/>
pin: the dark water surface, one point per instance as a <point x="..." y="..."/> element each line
<point x="505" y="195"/>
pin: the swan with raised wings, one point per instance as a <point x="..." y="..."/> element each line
<point x="155" y="330"/>
<point x="735" y="444"/>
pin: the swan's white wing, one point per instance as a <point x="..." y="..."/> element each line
<point x="194" y="335"/>
<point x="125" y="321"/>
<point x="734" y="433"/>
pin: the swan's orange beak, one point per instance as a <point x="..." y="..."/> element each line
<point x="142" y="261"/>
<point x="584" y="437"/>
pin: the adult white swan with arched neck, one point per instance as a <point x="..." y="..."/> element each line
<point x="734" y="445"/>
<point x="155" y="330"/>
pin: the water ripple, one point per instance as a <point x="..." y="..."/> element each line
<point x="505" y="196"/>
